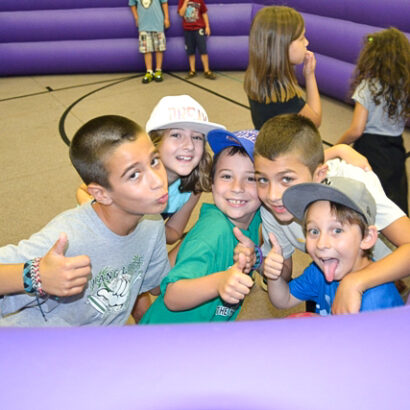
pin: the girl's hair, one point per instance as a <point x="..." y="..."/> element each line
<point x="270" y="76"/>
<point x="385" y="63"/>
<point x="198" y="180"/>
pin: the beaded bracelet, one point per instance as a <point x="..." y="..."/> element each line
<point x="259" y="258"/>
<point x="31" y="277"/>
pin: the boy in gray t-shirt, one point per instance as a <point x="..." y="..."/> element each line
<point x="123" y="172"/>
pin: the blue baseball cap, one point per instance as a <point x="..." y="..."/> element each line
<point x="219" y="139"/>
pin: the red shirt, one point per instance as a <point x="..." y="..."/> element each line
<point x="193" y="19"/>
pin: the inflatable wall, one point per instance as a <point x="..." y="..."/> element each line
<point x="84" y="36"/>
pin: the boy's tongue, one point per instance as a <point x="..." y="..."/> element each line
<point x="329" y="269"/>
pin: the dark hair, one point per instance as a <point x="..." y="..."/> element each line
<point x="231" y="151"/>
<point x="95" y="141"/>
<point x="345" y="215"/>
<point x="198" y="180"/>
<point x="270" y="76"/>
<point x="384" y="62"/>
<point x="291" y="133"/>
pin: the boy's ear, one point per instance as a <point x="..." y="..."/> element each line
<point x="320" y="173"/>
<point x="369" y="240"/>
<point x="100" y="193"/>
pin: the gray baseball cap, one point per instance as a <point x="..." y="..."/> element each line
<point x="341" y="190"/>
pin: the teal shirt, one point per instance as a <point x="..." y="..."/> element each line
<point x="207" y="248"/>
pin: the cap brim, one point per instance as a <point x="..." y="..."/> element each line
<point x="221" y="139"/>
<point x="298" y="197"/>
<point x="199" y="126"/>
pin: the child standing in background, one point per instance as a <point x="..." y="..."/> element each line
<point x="277" y="43"/>
<point x="382" y="106"/>
<point x="195" y="23"/>
<point x="151" y="17"/>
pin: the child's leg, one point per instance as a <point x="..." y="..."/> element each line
<point x="148" y="61"/>
<point x="201" y="44"/>
<point x="191" y="59"/>
<point x="159" y="56"/>
<point x="205" y="62"/>
<point x="160" y="47"/>
<point x="189" y="37"/>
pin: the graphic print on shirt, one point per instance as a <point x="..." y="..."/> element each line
<point x="110" y="289"/>
<point x="146" y="3"/>
<point x="324" y="310"/>
<point x="192" y="12"/>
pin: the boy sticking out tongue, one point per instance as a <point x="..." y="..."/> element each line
<point x="338" y="220"/>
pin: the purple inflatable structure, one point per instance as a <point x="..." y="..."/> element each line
<point x="339" y="362"/>
<point x="84" y="36"/>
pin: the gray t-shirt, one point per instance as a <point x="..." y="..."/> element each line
<point x="378" y="122"/>
<point x="122" y="267"/>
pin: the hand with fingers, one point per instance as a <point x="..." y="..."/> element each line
<point x="61" y="275"/>
<point x="245" y="247"/>
<point x="273" y="264"/>
<point x="235" y="284"/>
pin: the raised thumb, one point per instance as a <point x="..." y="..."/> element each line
<point x="243" y="239"/>
<point x="60" y="246"/>
<point x="275" y="243"/>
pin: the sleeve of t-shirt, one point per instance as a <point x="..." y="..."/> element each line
<point x="180" y="3"/>
<point x="132" y="2"/>
<point x="305" y="286"/>
<point x="362" y="94"/>
<point x="158" y="266"/>
<point x="203" y="8"/>
<point x="387" y="210"/>
<point x="195" y="261"/>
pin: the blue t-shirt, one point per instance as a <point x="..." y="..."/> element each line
<point x="176" y="199"/>
<point x="312" y="285"/>
<point x="150" y="14"/>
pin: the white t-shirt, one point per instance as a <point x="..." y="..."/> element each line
<point x="291" y="236"/>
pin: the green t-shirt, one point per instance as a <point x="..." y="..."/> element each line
<point x="207" y="248"/>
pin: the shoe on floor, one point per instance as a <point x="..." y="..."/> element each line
<point x="190" y="75"/>
<point x="209" y="75"/>
<point x="158" y="76"/>
<point x="148" y="77"/>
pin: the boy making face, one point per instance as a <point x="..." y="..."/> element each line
<point x="205" y="285"/>
<point x="289" y="151"/>
<point x="121" y="167"/>
<point x="338" y="219"/>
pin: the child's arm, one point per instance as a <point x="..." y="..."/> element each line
<point x="166" y="15"/>
<point x="182" y="9"/>
<point x="348" y="154"/>
<point x="135" y="14"/>
<point x="357" y="125"/>
<point x="392" y="267"/>
<point x="313" y="106"/>
<point x="231" y="285"/>
<point x="82" y="195"/>
<point x="60" y="275"/>
<point x="207" y="26"/>
<point x="174" y="227"/>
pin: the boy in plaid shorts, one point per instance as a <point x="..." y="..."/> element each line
<point x="151" y="16"/>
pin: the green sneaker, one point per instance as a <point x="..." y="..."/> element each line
<point x="148" y="77"/>
<point x="158" y="76"/>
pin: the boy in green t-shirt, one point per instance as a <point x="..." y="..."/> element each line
<point x="206" y="285"/>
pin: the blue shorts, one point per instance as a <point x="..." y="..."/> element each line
<point x="195" y="39"/>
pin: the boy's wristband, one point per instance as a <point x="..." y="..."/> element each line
<point x="259" y="258"/>
<point x="31" y="277"/>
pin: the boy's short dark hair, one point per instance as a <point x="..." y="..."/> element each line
<point x="95" y="140"/>
<point x="291" y="133"/>
<point x="232" y="150"/>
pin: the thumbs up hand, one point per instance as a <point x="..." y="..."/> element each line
<point x="61" y="275"/>
<point x="274" y="260"/>
<point x="235" y="284"/>
<point x="246" y="247"/>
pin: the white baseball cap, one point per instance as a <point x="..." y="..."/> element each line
<point x="180" y="111"/>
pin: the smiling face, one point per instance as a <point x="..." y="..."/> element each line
<point x="273" y="177"/>
<point x="297" y="49"/>
<point x="336" y="247"/>
<point x="181" y="151"/>
<point x="234" y="188"/>
<point x="137" y="178"/>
